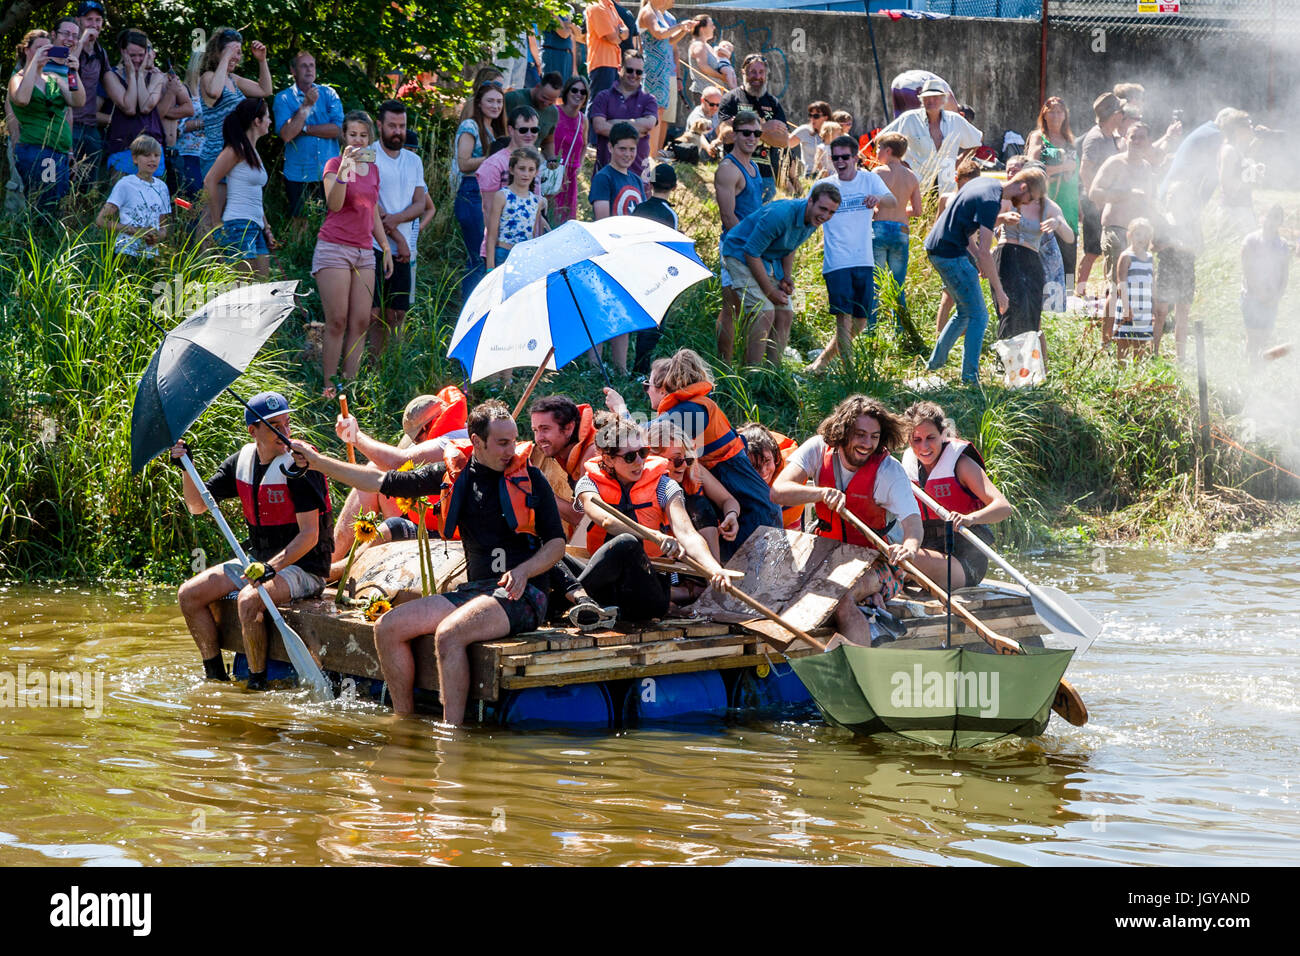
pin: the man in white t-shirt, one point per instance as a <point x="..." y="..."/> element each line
<point x="937" y="139"/>
<point x="850" y="466"/>
<point x="401" y="203"/>
<point x="138" y="204"/>
<point x="848" y="260"/>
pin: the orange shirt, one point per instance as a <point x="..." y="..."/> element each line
<point x="602" y="20"/>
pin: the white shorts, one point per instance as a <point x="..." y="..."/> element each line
<point x="301" y="583"/>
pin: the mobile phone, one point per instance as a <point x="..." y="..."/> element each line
<point x="1178" y="116"/>
<point x="57" y="52"/>
<point x="366" y="155"/>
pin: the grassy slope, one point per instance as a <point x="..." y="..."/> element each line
<point x="1100" y="449"/>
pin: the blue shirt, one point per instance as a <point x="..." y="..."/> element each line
<point x="305" y="157"/>
<point x="622" y="191"/>
<point x="976" y="204"/>
<point x="770" y="234"/>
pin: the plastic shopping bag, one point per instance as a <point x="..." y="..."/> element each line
<point x="1022" y="359"/>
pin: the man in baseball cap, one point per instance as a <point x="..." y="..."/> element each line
<point x="932" y="124"/>
<point x="291" y="534"/>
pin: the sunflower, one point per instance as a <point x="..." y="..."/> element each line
<point x="406" y="504"/>
<point x="365" y="528"/>
<point x="377" y="607"/>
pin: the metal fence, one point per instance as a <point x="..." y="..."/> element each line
<point x="1273" y="18"/>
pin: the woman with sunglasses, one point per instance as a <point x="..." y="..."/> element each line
<point x="222" y="89"/>
<point x="570" y="143"/>
<point x="629" y="479"/>
<point x="706" y="499"/>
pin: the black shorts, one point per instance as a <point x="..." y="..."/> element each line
<point x="701" y="511"/>
<point x="974" y="562"/>
<point x="400" y="528"/>
<point x="526" y="614"/>
<point x="1090" y="226"/>
<point x="394" y="292"/>
<point x="299" y="193"/>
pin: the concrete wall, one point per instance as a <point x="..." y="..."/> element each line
<point x="994" y="65"/>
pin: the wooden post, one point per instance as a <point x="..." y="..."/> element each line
<point x="1203" y="392"/>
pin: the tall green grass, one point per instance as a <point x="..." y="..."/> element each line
<point x="1099" y="449"/>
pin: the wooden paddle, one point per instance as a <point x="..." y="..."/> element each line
<point x="1058" y="610"/>
<point x="1067" y="703"/>
<point x="532" y="383"/>
<point x="343" y="407"/>
<point x="659" y="563"/>
<point x="649" y="534"/>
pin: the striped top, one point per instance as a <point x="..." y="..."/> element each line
<point x="1139" y="285"/>
<point x="214" y="117"/>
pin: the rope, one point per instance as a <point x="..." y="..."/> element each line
<point x="1272" y="464"/>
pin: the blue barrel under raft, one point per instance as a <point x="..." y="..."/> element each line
<point x="674" y="700"/>
<point x="275" y="670"/>
<point x="773" y="692"/>
<point x="574" y="707"/>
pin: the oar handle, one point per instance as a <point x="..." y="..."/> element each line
<point x="1003" y="645"/>
<point x="343" y="407"/>
<point x="649" y="534"/>
<point x="532" y="383"/>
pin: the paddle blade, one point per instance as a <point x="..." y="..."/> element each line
<point x="1064" y="615"/>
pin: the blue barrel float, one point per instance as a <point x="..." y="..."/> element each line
<point x="575" y="707"/>
<point x="275" y="670"/>
<point x="675" y="699"/>
<point x="772" y="691"/>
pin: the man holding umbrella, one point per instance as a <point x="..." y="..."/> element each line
<point x="290" y="523"/>
<point x="508" y="523"/>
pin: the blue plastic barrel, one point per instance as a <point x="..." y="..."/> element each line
<point x="577" y="706"/>
<point x="778" y="693"/>
<point x="700" y="697"/>
<point x="275" y="670"/>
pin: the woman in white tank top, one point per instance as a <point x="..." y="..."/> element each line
<point x="235" y="183"/>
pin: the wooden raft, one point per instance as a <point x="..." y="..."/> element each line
<point x="344" y="642"/>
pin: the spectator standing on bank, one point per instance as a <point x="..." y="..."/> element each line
<point x="189" y="133"/>
<point x="659" y="207"/>
<point x="605" y="32"/>
<point x="38" y="98"/>
<point x="139" y="204"/>
<point x="559" y="46"/>
<point x="738" y="189"/>
<point x="1022" y="252"/>
<point x="515" y="211"/>
<point x="703" y="59"/>
<point x="1124" y="188"/>
<point x="493" y="173"/>
<point x="1237" y="177"/>
<point x="135" y="91"/>
<point x="474" y="137"/>
<point x="966" y="222"/>
<point x="402" y="193"/>
<point x="244" y="234"/>
<point x="937" y="139"/>
<point x="755" y="96"/>
<point x="759" y="254"/>
<point x="627" y="102"/>
<point x="1265" y="265"/>
<point x="343" y="264"/>
<point x="309" y="118"/>
<point x="659" y="32"/>
<point x="1098" y="145"/>
<point x="87" y="139"/>
<point x="541" y="98"/>
<point x="570" y="143"/>
<point x="848" y="262"/>
<point x="807" y="138"/>
<point x="890" y="226"/>
<point x="1134" y="279"/>
<point x="1052" y="144"/>
<point x="706" y="111"/>
<point x="223" y="89"/>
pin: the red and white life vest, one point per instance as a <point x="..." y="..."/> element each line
<point x="859" y="498"/>
<point x="942" y="483"/>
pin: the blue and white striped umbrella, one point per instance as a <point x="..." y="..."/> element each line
<point x="583" y="283"/>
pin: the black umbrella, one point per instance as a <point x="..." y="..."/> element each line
<point x="196" y="362"/>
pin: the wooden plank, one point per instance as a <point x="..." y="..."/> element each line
<point x="566" y="642"/>
<point x="663" y="632"/>
<point x="685" y="654"/>
<point x="614" y="638"/>
<point x="635" y="671"/>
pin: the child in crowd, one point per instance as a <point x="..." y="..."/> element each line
<point x="822" y="164"/>
<point x="1135" y="279"/>
<point x="659" y="207"/>
<point x="515" y="213"/>
<point x="724" y="52"/>
<point x="139" y="203"/>
<point x="1265" y="265"/>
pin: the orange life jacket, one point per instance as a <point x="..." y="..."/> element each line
<point x="641" y="501"/>
<point x="859" y="497"/>
<point x="516" y="488"/>
<point x="791" y="516"/>
<point x="582" y="439"/>
<point x="454" y="414"/>
<point x="717" y="441"/>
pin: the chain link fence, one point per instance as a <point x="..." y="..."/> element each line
<point x="1179" y="18"/>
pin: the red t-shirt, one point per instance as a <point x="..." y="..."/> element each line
<point x="354" y="224"/>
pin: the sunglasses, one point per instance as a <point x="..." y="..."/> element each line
<point x="580" y="90"/>
<point x="841" y="157"/>
<point x="678" y="461"/>
<point x="713" y="102"/>
<point x="816" y="115"/>
<point x="526" y="130"/>
<point x="630" y="72"/>
<point x="631" y="456"/>
<point x="749" y="132"/>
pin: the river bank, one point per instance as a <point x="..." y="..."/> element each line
<point x="1101" y="451"/>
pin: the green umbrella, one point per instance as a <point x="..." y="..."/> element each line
<point x="949" y="698"/>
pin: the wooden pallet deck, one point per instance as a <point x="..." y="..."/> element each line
<point x="344" y="643"/>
